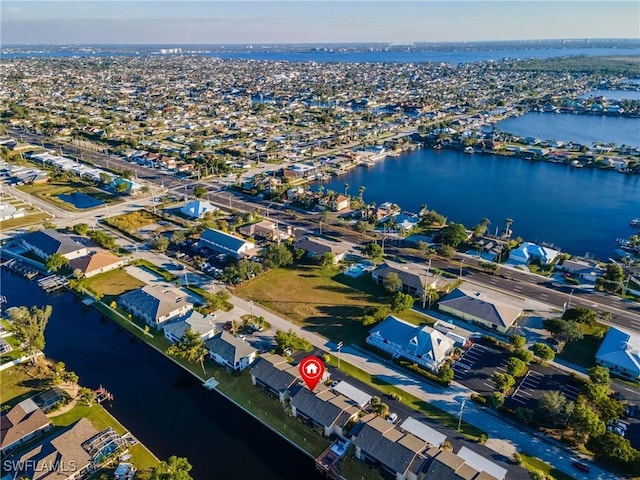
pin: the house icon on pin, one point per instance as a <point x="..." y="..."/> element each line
<point x="311" y="369"/>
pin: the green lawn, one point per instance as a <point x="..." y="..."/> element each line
<point x="132" y="221"/>
<point x="532" y="463"/>
<point x="21" y="382"/>
<point x="354" y="469"/>
<point x="583" y="352"/>
<point x="442" y="417"/>
<point x="113" y="283"/>
<point x="167" y="276"/>
<point x="13" y="354"/>
<point x="323" y="300"/>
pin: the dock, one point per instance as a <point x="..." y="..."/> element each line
<point x="102" y="394"/>
<point x="53" y="282"/>
<point x="210" y="384"/>
<point x="16" y="266"/>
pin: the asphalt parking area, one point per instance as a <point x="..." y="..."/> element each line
<point x="538" y="380"/>
<point x="477" y="365"/>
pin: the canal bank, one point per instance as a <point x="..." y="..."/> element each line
<point x="165" y="407"/>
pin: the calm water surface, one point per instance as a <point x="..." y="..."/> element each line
<point x="579" y="210"/>
<point x="164" y="407"/>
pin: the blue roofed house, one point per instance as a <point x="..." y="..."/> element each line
<point x="528" y="252"/>
<point x="198" y="323"/>
<point x="230" y="351"/>
<point x="222" y="242"/>
<point x="425" y="346"/>
<point x="156" y="304"/>
<point x="197" y="208"/>
<point x="620" y="353"/>
<point x="45" y="243"/>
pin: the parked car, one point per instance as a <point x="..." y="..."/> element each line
<point x="392" y="418"/>
<point x="227" y="326"/>
<point x="256" y="328"/>
<point x="581" y="467"/>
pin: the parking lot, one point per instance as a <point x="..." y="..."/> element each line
<point x="477" y="365"/>
<point x="539" y="380"/>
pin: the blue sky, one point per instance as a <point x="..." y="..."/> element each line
<point x="187" y="22"/>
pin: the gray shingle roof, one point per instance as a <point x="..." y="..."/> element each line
<point x="482" y="306"/>
<point x="231" y="348"/>
<point x="50" y="242"/>
<point x="319" y="246"/>
<point x="310" y="405"/>
<point x="271" y="376"/>
<point x="392" y="454"/>
<point x="156" y="300"/>
<point x="193" y="320"/>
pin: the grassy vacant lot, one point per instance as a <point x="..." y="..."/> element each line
<point x="23" y="381"/>
<point x="532" y="463"/>
<point x="583" y="352"/>
<point x="113" y="283"/>
<point x="132" y="221"/>
<point x="28" y="219"/>
<point x="324" y="300"/>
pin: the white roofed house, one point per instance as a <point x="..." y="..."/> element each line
<point x="222" y="242"/>
<point x="425" y="346"/>
<point x="156" y="304"/>
<point x="198" y="323"/>
<point x="620" y="353"/>
<point x="528" y="252"/>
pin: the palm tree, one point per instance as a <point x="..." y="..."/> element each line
<point x="507" y="223"/>
<point x="346" y="188"/>
<point x="361" y="191"/>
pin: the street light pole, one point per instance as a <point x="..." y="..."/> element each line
<point x="461" y="264"/>
<point x="339" y="347"/>
<point x="460" y="414"/>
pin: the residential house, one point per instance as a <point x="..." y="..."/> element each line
<point x="69" y="455"/>
<point x="620" y="353"/>
<point x="425" y="346"/>
<point x="97" y="261"/>
<point x="491" y="309"/>
<point x="45" y="243"/>
<point x="5" y="347"/>
<point x="274" y="374"/>
<point x="131" y="186"/>
<point x="226" y="243"/>
<point x="414" y="277"/>
<point x="198" y="323"/>
<point x="267" y="229"/>
<point x="581" y="269"/>
<point x="446" y="465"/>
<point x="20" y="424"/>
<point x="403" y="221"/>
<point x="230" y="351"/>
<point x="336" y="203"/>
<point x="156" y="304"/>
<point x="198" y="208"/>
<point x="397" y="453"/>
<point x="323" y="409"/>
<point x="316" y="247"/>
<point x="528" y="252"/>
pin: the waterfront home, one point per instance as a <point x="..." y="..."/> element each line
<point x="20" y="424"/>
<point x="71" y="454"/>
<point x="620" y="353"/>
<point x="581" y="269"/>
<point x="423" y="431"/>
<point x="425" y="346"/>
<point x="335" y="203"/>
<point x="398" y="453"/>
<point x="528" y="252"/>
<point x="45" y="243"/>
<point x="402" y="221"/>
<point x="226" y="243"/>
<point x="323" y="410"/>
<point x="229" y="351"/>
<point x="275" y="375"/>
<point x="197" y="208"/>
<point x="198" y="323"/>
<point x="316" y="247"/>
<point x="486" y="307"/>
<point x="267" y="229"/>
<point x="97" y="261"/>
<point x="446" y="465"/>
<point x="414" y="277"/>
<point x="156" y="304"/>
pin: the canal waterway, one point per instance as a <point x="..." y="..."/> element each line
<point x="583" y="129"/>
<point x="579" y="210"/>
<point x="163" y="406"/>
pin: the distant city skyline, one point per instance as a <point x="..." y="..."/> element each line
<point x="247" y="22"/>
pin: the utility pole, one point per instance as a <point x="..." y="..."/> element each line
<point x="339" y="348"/>
<point x="460" y="414"/>
<point x="426" y="285"/>
<point x="461" y="264"/>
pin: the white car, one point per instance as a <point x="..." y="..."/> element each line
<point x="392" y="418"/>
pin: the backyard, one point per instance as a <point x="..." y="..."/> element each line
<point x="113" y="283"/>
<point x="322" y="299"/>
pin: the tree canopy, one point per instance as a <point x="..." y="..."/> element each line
<point x="28" y="327"/>
<point x="277" y="256"/>
<point x="190" y="347"/>
<point x="176" y="468"/>
<point x="454" y="234"/>
<point x="56" y="262"/>
<point x="291" y="341"/>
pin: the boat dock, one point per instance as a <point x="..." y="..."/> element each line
<point x="102" y="394"/>
<point x="52" y="283"/>
<point x="16" y="266"/>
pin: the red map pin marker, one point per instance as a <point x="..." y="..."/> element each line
<point x="311" y="370"/>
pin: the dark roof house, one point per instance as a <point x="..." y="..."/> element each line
<point x="21" y="423"/>
<point x="229" y="350"/>
<point x="45" y="243"/>
<point x="275" y="374"/>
